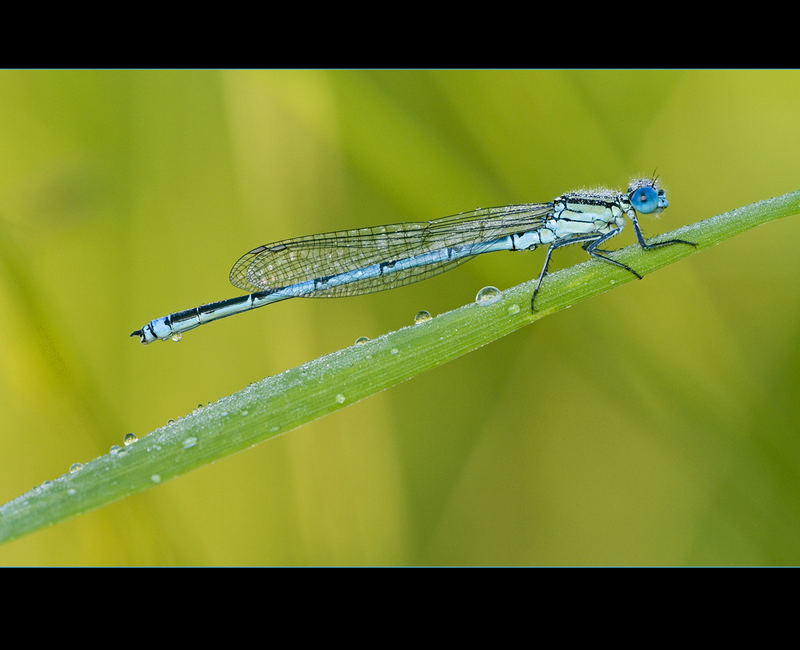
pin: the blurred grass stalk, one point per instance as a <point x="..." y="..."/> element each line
<point x="280" y="403"/>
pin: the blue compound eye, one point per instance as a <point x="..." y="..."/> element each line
<point x="645" y="200"/>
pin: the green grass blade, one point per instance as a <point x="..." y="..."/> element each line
<point x="285" y="401"/>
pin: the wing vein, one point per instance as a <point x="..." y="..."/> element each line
<point x="300" y="259"/>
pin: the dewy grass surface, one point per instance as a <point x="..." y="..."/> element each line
<point x="280" y="403"/>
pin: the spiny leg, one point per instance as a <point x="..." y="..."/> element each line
<point x="659" y="244"/>
<point x="543" y="272"/>
<point x="591" y="243"/>
<point x="591" y="248"/>
<point x="558" y="244"/>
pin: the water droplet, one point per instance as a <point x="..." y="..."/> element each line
<point x="129" y="439"/>
<point x="612" y="281"/>
<point x="422" y="317"/>
<point x="176" y="337"/>
<point x="361" y="340"/>
<point x="114" y="450"/>
<point x="171" y="421"/>
<point x="75" y="467"/>
<point x="395" y="350"/>
<point x="513" y="309"/>
<point x="156" y="478"/>
<point x="189" y="442"/>
<point x="245" y="412"/>
<point x="72" y="492"/>
<point x="340" y="398"/>
<point x="488" y="295"/>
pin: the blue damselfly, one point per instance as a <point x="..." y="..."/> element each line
<point x="365" y="260"/>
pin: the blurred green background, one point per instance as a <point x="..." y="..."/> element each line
<point x="655" y="424"/>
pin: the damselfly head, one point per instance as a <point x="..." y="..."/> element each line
<point x="646" y="197"/>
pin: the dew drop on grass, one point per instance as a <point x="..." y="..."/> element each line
<point x="189" y="442"/>
<point x="75" y="467"/>
<point x="340" y="398"/>
<point x="129" y="439"/>
<point x="488" y="295"/>
<point x="361" y="340"/>
<point x="513" y="309"/>
<point x="422" y="317"/>
<point x="176" y="337"/>
<point x="156" y="478"/>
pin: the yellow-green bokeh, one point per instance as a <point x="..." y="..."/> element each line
<point x="655" y="424"/>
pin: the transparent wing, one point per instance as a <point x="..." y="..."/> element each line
<point x="297" y="260"/>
